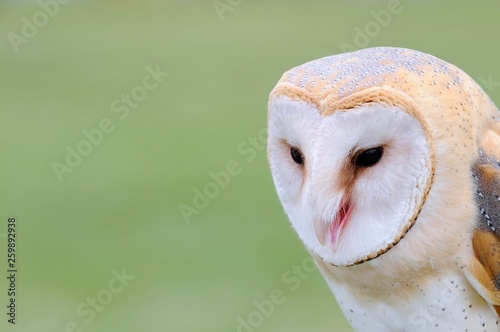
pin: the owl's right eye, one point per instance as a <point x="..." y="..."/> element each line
<point x="297" y="155"/>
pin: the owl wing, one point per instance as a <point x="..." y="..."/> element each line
<point x="484" y="270"/>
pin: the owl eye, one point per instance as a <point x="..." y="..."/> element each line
<point x="369" y="157"/>
<point x="297" y="155"/>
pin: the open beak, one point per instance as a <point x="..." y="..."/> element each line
<point x="329" y="233"/>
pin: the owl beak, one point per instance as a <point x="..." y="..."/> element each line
<point x="329" y="234"/>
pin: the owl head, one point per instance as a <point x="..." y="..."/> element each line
<point x="370" y="147"/>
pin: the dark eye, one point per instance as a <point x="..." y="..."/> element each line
<point x="369" y="157"/>
<point x="297" y="155"/>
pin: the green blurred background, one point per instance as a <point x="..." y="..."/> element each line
<point x="119" y="208"/>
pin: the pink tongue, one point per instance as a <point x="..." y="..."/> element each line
<point x="338" y="224"/>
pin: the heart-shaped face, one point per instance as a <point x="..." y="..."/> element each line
<point x="352" y="182"/>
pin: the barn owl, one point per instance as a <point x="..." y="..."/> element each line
<point x="386" y="162"/>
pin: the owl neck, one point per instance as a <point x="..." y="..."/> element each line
<point x="383" y="273"/>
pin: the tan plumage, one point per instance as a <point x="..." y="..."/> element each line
<point x="485" y="264"/>
<point x="390" y="236"/>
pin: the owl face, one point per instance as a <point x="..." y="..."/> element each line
<point x="351" y="181"/>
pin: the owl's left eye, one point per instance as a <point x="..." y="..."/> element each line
<point x="297" y="155"/>
<point x="369" y="157"/>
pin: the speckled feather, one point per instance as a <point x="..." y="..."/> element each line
<point x="486" y="174"/>
<point x="328" y="80"/>
<point x="486" y="239"/>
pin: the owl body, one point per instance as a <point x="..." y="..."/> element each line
<point x="436" y="302"/>
<point x="385" y="161"/>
